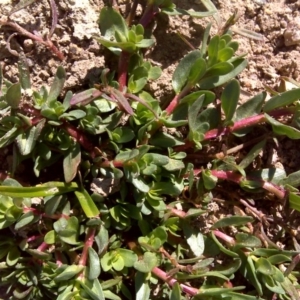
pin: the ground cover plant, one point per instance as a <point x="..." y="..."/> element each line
<point x="122" y="197"/>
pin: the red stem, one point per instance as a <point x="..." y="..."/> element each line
<point x="244" y="123"/>
<point x="89" y="240"/>
<point x="123" y="69"/>
<point x="148" y="15"/>
<point x="81" y="138"/>
<point x="48" y="43"/>
<point x="43" y="247"/>
<point x="238" y="178"/>
<point x="171" y="281"/>
<point x="228" y="239"/>
<point x="174" y="103"/>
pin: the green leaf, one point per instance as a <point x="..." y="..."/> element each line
<point x="142" y="287"/>
<point x="116" y="47"/>
<point x="293" y="179"/>
<point x="232" y="221"/>
<point x="247" y="240"/>
<point x="251" y="107"/>
<point x="249" y="158"/>
<point x="42" y="190"/>
<point x="73" y="115"/>
<point x="9" y="137"/>
<point x="50" y="237"/>
<point x="205" y="40"/>
<point x="294" y="201"/>
<point x="118" y="264"/>
<point x="174" y="165"/>
<point x="183" y="70"/>
<point x="166" y="188"/>
<point x="13" y="256"/>
<point x="157" y="159"/>
<point x="282" y="129"/>
<point x="94" y="265"/>
<point x="219" y="69"/>
<point x="274" y="175"/>
<point x="278" y="259"/>
<point x="102" y="239"/>
<point x="230" y="98"/>
<point x="25" y="219"/>
<point x="93" y="288"/>
<point x="194" y="239"/>
<point x="193" y="111"/>
<point x="145" y="43"/>
<point x="67" y="230"/>
<point x="209" y="180"/>
<point x="273" y="286"/>
<point x="57" y="85"/>
<point x="27" y="140"/>
<point x="197" y="71"/>
<point x="39" y="254"/>
<point x="176" y="292"/>
<point x="250" y="274"/>
<point x="127" y="155"/>
<point x="281" y="100"/>
<point x="211" y="82"/>
<point x="165" y="140"/>
<point x="71" y="162"/>
<point x="13" y="95"/>
<point x="129" y="257"/>
<point x="68" y="273"/>
<point x="225" y="54"/>
<point x="87" y="204"/>
<point x="154" y="73"/>
<point x="147" y="263"/>
<point x="212" y="50"/>
<point x="264" y="266"/>
<point x="24" y="75"/>
<point x="123" y="134"/>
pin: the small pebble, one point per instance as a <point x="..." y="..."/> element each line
<point x="292" y="33"/>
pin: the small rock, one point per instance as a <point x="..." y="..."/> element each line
<point x="292" y="33"/>
<point x="28" y="45"/>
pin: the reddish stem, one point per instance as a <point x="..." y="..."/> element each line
<point x="247" y="122"/>
<point x="33" y="238"/>
<point x="149" y="14"/>
<point x="81" y="138"/>
<point x="58" y="257"/>
<point x="44" y="246"/>
<point x="171" y="281"/>
<point x="48" y="43"/>
<point x="123" y="69"/>
<point x="89" y="240"/>
<point x="174" y="103"/>
<point x="238" y="178"/>
<point x="228" y="239"/>
<point x="244" y="123"/>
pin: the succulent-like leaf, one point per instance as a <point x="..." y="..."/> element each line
<point x="71" y="162"/>
<point x="211" y="82"/>
<point x="13" y="95"/>
<point x="87" y="204"/>
<point x="183" y="70"/>
<point x="233" y="221"/>
<point x="281" y="100"/>
<point x="57" y="85"/>
<point x="230" y="98"/>
<point x="94" y="264"/>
